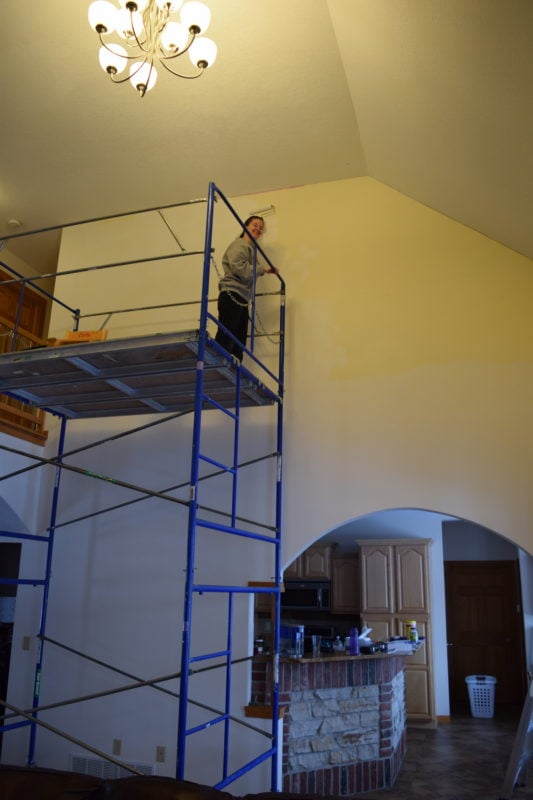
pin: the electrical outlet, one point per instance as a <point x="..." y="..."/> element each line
<point x="160" y="754"/>
<point x="117" y="747"/>
<point x="26" y="642"/>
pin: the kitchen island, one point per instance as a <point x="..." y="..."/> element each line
<point x="344" y="720"/>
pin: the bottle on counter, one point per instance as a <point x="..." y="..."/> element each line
<point x="354" y="642"/>
<point x="412" y="631"/>
<point x="338" y="646"/>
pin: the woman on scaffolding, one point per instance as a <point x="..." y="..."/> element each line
<point x="236" y="286"/>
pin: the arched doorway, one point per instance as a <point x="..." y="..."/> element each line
<point x="456" y="540"/>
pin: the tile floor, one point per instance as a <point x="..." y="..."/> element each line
<point x="464" y="760"/>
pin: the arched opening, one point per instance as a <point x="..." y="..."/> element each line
<point x="480" y="596"/>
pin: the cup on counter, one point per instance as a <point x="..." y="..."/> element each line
<point x="316" y="641"/>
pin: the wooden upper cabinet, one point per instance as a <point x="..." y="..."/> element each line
<point x="294" y="570"/>
<point x="411" y="570"/>
<point x="377" y="586"/>
<point x="313" y="564"/>
<point x="394" y="577"/>
<point x="317" y="562"/>
<point x="345" y="584"/>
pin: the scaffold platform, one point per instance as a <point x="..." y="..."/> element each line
<point x="139" y="375"/>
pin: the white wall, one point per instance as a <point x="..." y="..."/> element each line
<point x="526" y="576"/>
<point x="466" y="542"/>
<point x="408" y="345"/>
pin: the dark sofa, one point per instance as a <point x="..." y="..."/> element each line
<point x="37" y="783"/>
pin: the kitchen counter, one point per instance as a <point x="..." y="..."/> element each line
<point x="343" y="721"/>
<point x="398" y="647"/>
<point x="328" y="657"/>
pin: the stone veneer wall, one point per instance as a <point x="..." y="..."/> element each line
<point x="344" y="726"/>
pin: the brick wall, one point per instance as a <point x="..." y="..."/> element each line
<point x="344" y="726"/>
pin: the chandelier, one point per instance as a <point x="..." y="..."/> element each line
<point x="150" y="32"/>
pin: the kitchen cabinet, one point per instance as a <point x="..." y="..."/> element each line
<point x="345" y="583"/>
<point x="313" y="564"/>
<point x="376" y="579"/>
<point x="394" y="589"/>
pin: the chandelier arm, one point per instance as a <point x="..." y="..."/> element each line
<point x="132" y="75"/>
<point x="129" y="58"/>
<point x="139" y="44"/>
<point x="179" y="75"/>
<point x="119" y="80"/>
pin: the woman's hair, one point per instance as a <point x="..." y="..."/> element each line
<point x="247" y="222"/>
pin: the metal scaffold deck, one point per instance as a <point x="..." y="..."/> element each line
<point x="145" y="374"/>
<point x="169" y="373"/>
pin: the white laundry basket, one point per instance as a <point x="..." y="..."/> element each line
<point x="481" y="689"/>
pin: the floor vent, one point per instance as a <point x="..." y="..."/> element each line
<point x="100" y="768"/>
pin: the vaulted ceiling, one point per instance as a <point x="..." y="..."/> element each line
<point x="432" y="97"/>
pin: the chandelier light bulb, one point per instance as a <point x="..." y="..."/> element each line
<point x="203" y="52"/>
<point x="195" y="16"/>
<point x="175" y="37"/>
<point x="129" y="25"/>
<point x="102" y="16"/>
<point x="113" y="62"/>
<point x="143" y="77"/>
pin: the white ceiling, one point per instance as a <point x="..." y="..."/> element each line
<point x="432" y="97"/>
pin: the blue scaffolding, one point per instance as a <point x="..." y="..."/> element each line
<point x="171" y="374"/>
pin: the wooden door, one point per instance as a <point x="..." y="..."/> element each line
<point x="485" y="630"/>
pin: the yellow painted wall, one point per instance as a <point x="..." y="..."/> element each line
<point x="409" y="385"/>
<point x="409" y="358"/>
<point x="409" y="363"/>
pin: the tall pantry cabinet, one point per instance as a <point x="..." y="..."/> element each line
<point x="395" y="589"/>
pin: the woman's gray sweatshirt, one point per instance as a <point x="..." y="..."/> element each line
<point x="237" y="263"/>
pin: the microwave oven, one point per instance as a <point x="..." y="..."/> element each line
<point x="306" y="595"/>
